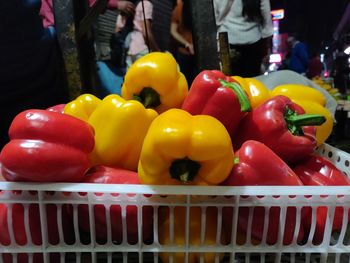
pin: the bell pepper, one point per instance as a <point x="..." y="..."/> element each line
<point x="15" y="219"/>
<point x="212" y="93"/>
<point x="155" y="81"/>
<point x="256" y="164"/>
<point x="58" y="108"/>
<point x="183" y="149"/>
<point x="179" y="231"/>
<point x="108" y="175"/>
<point x="299" y="92"/>
<point x="281" y="125"/>
<point x="317" y="170"/>
<point x="82" y="107"/>
<point x="120" y="127"/>
<point x="47" y="146"/>
<point x="323" y="131"/>
<point x="256" y="90"/>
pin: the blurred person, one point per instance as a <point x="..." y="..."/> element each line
<point x="109" y="80"/>
<point x="181" y="31"/>
<point x="249" y="27"/>
<point x="285" y="62"/>
<point x="31" y="73"/>
<point x="341" y="72"/>
<point x="125" y="7"/>
<point x="142" y="40"/>
<point x="315" y="66"/>
<point x="120" y="39"/>
<point x="46" y="10"/>
<point x="299" y="58"/>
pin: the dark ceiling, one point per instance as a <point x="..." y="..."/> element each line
<point x="313" y="21"/>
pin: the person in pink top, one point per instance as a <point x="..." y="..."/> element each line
<point x="46" y="10"/>
<point x="138" y="41"/>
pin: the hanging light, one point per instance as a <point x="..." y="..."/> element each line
<point x="347" y="50"/>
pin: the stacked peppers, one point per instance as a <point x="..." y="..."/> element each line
<point x="224" y="130"/>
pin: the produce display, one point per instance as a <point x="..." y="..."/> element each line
<point x="223" y="130"/>
<point x="328" y="86"/>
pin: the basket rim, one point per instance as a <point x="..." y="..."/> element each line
<point x="178" y="190"/>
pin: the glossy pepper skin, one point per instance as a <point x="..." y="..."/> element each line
<point x="83" y="106"/>
<point x="318" y="171"/>
<point x="299" y="92"/>
<point x="194" y="233"/>
<point x="120" y="127"/>
<point x="281" y="125"/>
<point x="323" y="131"/>
<point x="183" y="149"/>
<point x="57" y="108"/>
<point x="256" y="90"/>
<point x="155" y="80"/>
<point x="256" y="164"/>
<point x="52" y="147"/>
<point x="109" y="175"/>
<point x="212" y="93"/>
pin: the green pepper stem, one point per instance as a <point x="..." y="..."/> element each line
<point x="306" y="120"/>
<point x="184" y="170"/>
<point x="240" y="93"/>
<point x="296" y="122"/>
<point x="236" y="160"/>
<point x="148" y="97"/>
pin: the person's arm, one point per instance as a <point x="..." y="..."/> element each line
<point x="46" y="12"/>
<point x="151" y="40"/>
<point x="267" y="29"/>
<point x="122" y="5"/>
<point x="120" y="23"/>
<point x="147" y="15"/>
<point x="178" y="37"/>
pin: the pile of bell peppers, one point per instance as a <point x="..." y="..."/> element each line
<point x="223" y="130"/>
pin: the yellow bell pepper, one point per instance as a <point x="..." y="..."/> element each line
<point x="257" y="92"/>
<point x="82" y="107"/>
<point x="179" y="233"/>
<point x="155" y="80"/>
<point x="299" y="92"/>
<point x="323" y="131"/>
<point x="183" y="149"/>
<point x="120" y="127"/>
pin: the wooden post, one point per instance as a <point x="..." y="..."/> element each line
<point x="224" y="49"/>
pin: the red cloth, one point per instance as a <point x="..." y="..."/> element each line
<point x="46" y="10"/>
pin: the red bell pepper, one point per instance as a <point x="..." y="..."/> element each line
<point x="318" y="171"/>
<point x="212" y="93"/>
<point x="282" y="126"/>
<point x="57" y="108"/>
<point x="107" y="175"/>
<point x="47" y="146"/>
<point x="256" y="164"/>
<point x="17" y="219"/>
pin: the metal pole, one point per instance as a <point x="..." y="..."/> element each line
<point x="76" y="45"/>
<point x="66" y="34"/>
<point x="204" y="34"/>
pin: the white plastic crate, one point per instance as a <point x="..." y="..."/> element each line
<point x="54" y="200"/>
